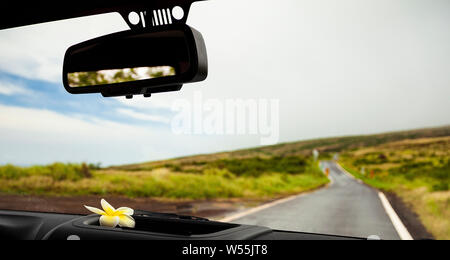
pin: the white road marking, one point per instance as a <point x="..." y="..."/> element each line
<point x="396" y="221"/>
<point x="347" y="173"/>
<point x="271" y="204"/>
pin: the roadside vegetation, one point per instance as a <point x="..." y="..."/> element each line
<point x="222" y="178"/>
<point x="418" y="171"/>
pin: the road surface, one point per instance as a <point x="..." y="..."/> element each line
<point x="346" y="208"/>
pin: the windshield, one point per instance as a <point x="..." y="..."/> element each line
<point x="316" y="116"/>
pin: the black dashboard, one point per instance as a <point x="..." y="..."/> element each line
<point x="19" y="225"/>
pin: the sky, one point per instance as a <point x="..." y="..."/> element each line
<point x="337" y="68"/>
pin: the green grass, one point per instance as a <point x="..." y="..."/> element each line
<point x="386" y="185"/>
<point x="409" y="165"/>
<point x="55" y="171"/>
<point x="246" y="178"/>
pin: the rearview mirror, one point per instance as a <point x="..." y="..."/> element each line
<point x="136" y="62"/>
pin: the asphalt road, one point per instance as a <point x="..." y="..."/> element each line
<point x="346" y="208"/>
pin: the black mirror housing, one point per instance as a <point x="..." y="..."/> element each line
<point x="137" y="62"/>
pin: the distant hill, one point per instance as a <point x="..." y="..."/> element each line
<point x="303" y="148"/>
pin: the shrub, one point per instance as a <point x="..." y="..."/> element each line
<point x="86" y="170"/>
<point x="257" y="166"/>
<point x="12" y="172"/>
<point x="371" y="158"/>
<point x="443" y="186"/>
<point x="225" y="173"/>
<point x="57" y="171"/>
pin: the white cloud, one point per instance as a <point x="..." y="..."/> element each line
<point x="9" y="89"/>
<point x="142" y="116"/>
<point x="35" y="136"/>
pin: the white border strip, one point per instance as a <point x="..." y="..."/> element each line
<point x="396" y="221"/>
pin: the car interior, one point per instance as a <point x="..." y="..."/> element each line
<point x="183" y="49"/>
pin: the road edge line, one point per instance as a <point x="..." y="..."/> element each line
<point x="401" y="229"/>
<point x="395" y="219"/>
<point x="273" y="203"/>
<point x="348" y="174"/>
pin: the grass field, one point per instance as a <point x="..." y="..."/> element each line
<point x="416" y="170"/>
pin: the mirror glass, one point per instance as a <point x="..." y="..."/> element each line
<point x="114" y="76"/>
<point x="128" y="57"/>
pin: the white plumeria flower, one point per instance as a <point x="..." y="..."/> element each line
<point x="111" y="217"/>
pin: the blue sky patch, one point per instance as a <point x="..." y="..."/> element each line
<point x="38" y="94"/>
